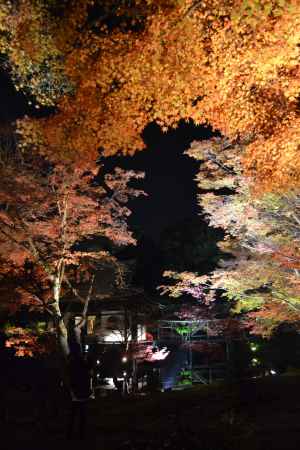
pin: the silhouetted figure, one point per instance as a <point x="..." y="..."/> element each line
<point x="81" y="390"/>
<point x="153" y="381"/>
<point x="115" y="366"/>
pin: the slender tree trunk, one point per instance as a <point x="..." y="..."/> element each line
<point x="61" y="329"/>
<point x="63" y="338"/>
<point x="63" y="334"/>
<point x="78" y="336"/>
<point x="78" y="327"/>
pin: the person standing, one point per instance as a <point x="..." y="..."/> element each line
<point x="81" y="391"/>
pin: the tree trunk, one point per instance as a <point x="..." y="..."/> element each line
<point x="61" y="329"/>
<point x="63" y="338"/>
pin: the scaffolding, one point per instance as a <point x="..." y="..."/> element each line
<point x="183" y="335"/>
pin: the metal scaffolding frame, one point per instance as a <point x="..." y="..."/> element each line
<point x="194" y="331"/>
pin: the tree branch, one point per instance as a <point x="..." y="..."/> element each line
<point x="86" y="304"/>
<point x="73" y="289"/>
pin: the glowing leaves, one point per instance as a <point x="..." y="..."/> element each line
<point x="29" y="341"/>
<point x="233" y="65"/>
<point x="220" y="162"/>
<point x="259" y="274"/>
<point x="50" y="209"/>
<point x="278" y="166"/>
<point x="186" y="283"/>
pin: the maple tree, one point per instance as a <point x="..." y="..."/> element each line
<point x="263" y="277"/>
<point x="46" y="211"/>
<point x="110" y="68"/>
<point x="259" y="273"/>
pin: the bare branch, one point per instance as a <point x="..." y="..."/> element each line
<point x="86" y="304"/>
<point x="73" y="289"/>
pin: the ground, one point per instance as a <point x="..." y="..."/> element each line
<point x="255" y="414"/>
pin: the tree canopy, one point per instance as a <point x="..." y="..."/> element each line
<point x="100" y="71"/>
<point x="47" y="211"/>
<point x="259" y="273"/>
<point x="110" y="68"/>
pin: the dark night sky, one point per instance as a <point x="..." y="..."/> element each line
<point x="169" y="179"/>
<point x="12" y="103"/>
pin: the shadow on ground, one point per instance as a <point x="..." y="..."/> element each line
<point x="261" y="414"/>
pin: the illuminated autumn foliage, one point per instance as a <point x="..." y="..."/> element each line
<point x="46" y="212"/>
<point x="107" y="69"/>
<point x="110" y="68"/>
<point x="259" y="273"/>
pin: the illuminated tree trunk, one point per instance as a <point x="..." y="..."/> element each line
<point x="61" y="329"/>
<point x="79" y="326"/>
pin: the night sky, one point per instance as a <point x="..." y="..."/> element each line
<point x="13" y="104"/>
<point x="169" y="178"/>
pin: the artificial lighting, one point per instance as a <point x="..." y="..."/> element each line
<point x="117" y="336"/>
<point x="273" y="372"/>
<point x="86" y="347"/>
<point x="124" y="373"/>
<point x="98" y="362"/>
<point x="124" y="359"/>
<point x="98" y="375"/>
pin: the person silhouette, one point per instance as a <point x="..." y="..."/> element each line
<point x="81" y="391"/>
